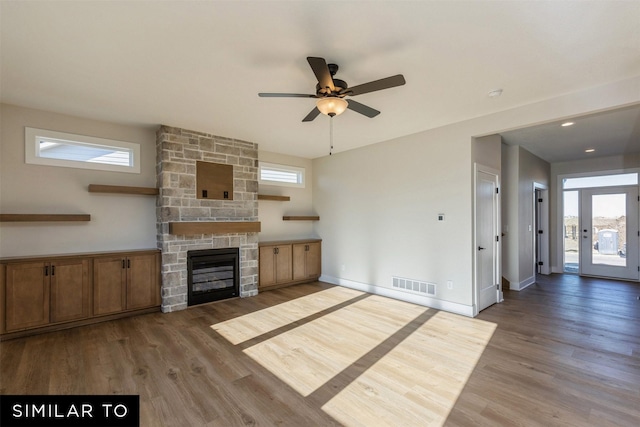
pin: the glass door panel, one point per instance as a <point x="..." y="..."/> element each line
<point x="609" y="229"/>
<point x="571" y="229"/>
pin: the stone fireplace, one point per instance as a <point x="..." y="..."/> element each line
<point x="178" y="150"/>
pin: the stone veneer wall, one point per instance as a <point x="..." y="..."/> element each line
<point x="177" y="153"/>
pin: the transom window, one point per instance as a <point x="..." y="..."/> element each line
<point x="600" y="181"/>
<point x="283" y="175"/>
<point x="45" y="147"/>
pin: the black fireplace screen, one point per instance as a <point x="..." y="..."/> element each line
<point x="213" y="275"/>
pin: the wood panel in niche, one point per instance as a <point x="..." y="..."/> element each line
<point x="214" y="181"/>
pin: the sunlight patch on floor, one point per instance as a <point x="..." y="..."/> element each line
<point x="419" y="381"/>
<point x="243" y="328"/>
<point x="309" y="355"/>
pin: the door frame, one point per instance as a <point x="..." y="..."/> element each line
<point x="497" y="265"/>
<point x="542" y="221"/>
<point x="558" y="244"/>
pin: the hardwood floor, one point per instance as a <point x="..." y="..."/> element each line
<point x="565" y="351"/>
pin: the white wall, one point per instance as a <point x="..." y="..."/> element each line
<point x="378" y="204"/>
<point x="629" y="162"/>
<point x="117" y="221"/>
<point x="270" y="213"/>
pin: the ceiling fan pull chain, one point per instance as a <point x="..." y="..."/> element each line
<point x="330" y="135"/>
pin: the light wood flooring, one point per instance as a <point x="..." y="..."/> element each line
<point x="563" y="352"/>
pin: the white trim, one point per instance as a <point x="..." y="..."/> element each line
<point x="438" y="304"/>
<point x="524" y="284"/>
<point x="32" y="150"/>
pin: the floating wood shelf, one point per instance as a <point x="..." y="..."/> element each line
<point x="275" y="198"/>
<point x="204" y="227"/>
<point x="43" y="217"/>
<point x="118" y="189"/>
<point x="301" y="218"/>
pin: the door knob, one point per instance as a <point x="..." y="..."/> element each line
<point x="480" y="248"/>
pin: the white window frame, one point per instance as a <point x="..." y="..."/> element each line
<point x="32" y="137"/>
<point x="285" y="168"/>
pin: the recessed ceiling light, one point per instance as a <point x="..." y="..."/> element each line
<point x="495" y="93"/>
<point x="565" y="124"/>
<point x="589" y="150"/>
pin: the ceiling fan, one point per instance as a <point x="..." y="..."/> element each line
<point x="331" y="92"/>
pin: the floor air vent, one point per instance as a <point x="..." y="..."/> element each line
<point x="414" y="286"/>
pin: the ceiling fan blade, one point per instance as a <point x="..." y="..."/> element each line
<point x="312" y="115"/>
<point x="285" y="95"/>
<point x="386" y="83"/>
<point x="362" y="109"/>
<point x="321" y="70"/>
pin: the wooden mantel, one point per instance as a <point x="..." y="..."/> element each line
<point x="214" y="227"/>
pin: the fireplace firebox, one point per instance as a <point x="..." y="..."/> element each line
<point x="213" y="274"/>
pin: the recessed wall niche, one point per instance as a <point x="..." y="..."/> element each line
<point x="214" y="181"/>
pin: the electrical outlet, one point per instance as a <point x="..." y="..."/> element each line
<point x="449" y="284"/>
<point x="343" y="267"/>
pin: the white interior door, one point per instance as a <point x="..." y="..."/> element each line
<point x="609" y="232"/>
<point x="487" y="246"/>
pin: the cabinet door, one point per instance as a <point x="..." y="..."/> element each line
<point x="267" y="266"/>
<point x="299" y="261"/>
<point x="109" y="285"/>
<point x="313" y="264"/>
<point x="306" y="261"/>
<point x="70" y="290"/>
<point x="143" y="288"/>
<point x="284" y="271"/>
<point x="27" y="295"/>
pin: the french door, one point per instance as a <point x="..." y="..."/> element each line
<point x="609" y="227"/>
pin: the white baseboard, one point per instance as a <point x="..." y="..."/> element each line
<point x="524" y="284"/>
<point x="452" y="307"/>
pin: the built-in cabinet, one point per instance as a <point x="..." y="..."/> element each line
<point x="56" y="292"/>
<point x="286" y="263"/>
<point x="124" y="283"/>
<point x="275" y="265"/>
<point x="44" y="292"/>
<point x="306" y="261"/>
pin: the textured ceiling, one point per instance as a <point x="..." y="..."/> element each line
<point x="200" y="64"/>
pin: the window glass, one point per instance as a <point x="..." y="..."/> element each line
<point x="600" y="181"/>
<point x="272" y="174"/>
<point x="52" y="148"/>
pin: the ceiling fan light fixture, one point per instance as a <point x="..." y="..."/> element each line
<point x="332" y="106"/>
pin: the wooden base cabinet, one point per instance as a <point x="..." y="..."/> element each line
<point x="275" y="265"/>
<point x="125" y="283"/>
<point x="48" y="293"/>
<point x="306" y="261"/>
<point x="286" y="263"/>
<point x="39" y="293"/>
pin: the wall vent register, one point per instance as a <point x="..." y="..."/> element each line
<point x="414" y="286"/>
